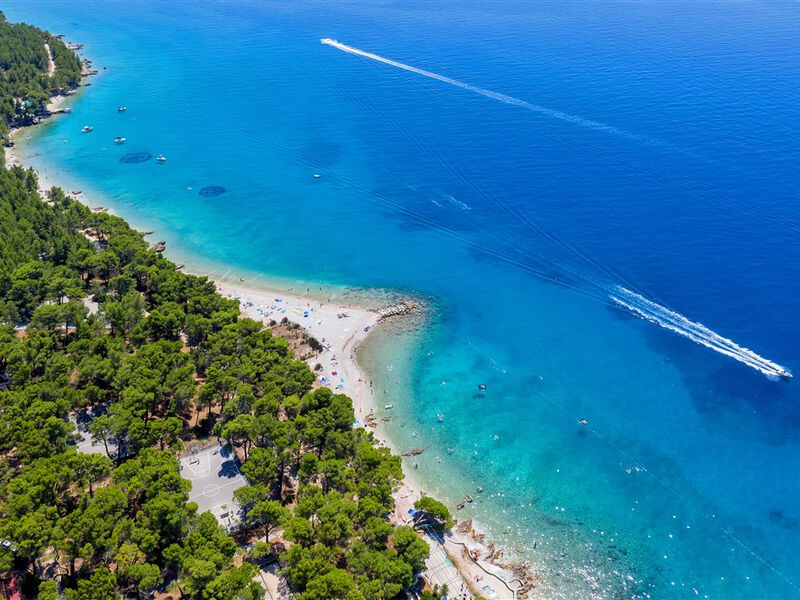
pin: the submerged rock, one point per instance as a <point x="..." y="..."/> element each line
<point x="211" y="191"/>
<point x="135" y="157"/>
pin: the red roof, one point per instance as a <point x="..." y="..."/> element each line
<point x="9" y="588"/>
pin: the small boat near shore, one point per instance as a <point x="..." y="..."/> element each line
<point x="87" y="129"/>
<point x="389" y="406"/>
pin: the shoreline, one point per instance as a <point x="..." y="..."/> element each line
<point x="341" y="328"/>
<point x="341" y="372"/>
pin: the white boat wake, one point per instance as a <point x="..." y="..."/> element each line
<point x="697" y="332"/>
<point x="635" y="303"/>
<point x="556" y="114"/>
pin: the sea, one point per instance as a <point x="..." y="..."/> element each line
<point x="596" y="201"/>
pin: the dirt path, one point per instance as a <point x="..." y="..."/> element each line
<point x="51" y="65"/>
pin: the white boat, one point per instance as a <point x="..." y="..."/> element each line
<point x="160" y="158"/>
<point x="122" y="108"/>
<point x="389" y="406"/>
<point x="119" y="140"/>
<point x="86" y="129"/>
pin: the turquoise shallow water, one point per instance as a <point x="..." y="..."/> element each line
<point x="660" y="154"/>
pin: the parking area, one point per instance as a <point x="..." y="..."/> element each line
<point x="214" y="476"/>
<point x="82" y="419"/>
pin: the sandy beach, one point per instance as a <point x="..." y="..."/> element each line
<point x="339" y="328"/>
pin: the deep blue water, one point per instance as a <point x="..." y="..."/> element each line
<point x="515" y="223"/>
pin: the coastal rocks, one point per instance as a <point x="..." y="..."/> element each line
<point x="524" y="577"/>
<point x="135" y="157"/>
<point x="86" y="68"/>
<point x="159" y="246"/>
<point x="211" y="191"/>
<point x="400" y="308"/>
<point x="414" y="451"/>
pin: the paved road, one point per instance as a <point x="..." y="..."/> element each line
<point x="440" y="571"/>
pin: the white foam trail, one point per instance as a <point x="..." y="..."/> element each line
<point x="556" y="114"/>
<point x="697" y="332"/>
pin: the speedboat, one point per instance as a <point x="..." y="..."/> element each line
<point x="161" y="159"/>
<point x="119" y="140"/>
<point x="122" y="108"/>
<point x="86" y="129"/>
<point x="785" y="373"/>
